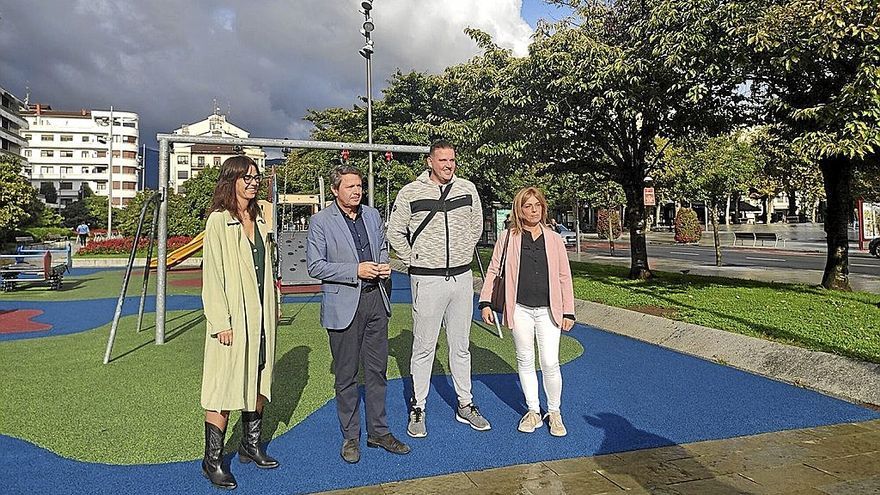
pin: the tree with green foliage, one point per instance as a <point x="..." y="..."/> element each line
<point x="598" y="88"/>
<point x="200" y="192"/>
<point x="815" y="70"/>
<point x="723" y="165"/>
<point x="49" y="193"/>
<point x="16" y="195"/>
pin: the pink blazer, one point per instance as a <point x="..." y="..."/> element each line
<point x="561" y="290"/>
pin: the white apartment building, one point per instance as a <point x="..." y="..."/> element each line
<point x="11" y="125"/>
<point x="188" y="160"/>
<point x="70" y="149"/>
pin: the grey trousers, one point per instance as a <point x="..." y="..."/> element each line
<point x="365" y="342"/>
<point x="437" y="301"/>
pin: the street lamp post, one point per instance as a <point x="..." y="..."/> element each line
<point x="367" y="53"/>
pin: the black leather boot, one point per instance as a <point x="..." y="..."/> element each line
<point x="212" y="464"/>
<point x="250" y="449"/>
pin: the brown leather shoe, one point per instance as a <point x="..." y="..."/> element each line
<point x="389" y="443"/>
<point x="351" y="450"/>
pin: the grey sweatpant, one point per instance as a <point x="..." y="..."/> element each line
<point x="437" y="301"/>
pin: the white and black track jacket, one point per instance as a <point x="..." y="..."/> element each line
<point x="446" y="244"/>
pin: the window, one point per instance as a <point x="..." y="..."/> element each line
<point x="85" y="170"/>
<point x="128" y="124"/>
<point x="46" y="170"/>
<point x="101" y="186"/>
<point x="129" y="154"/>
<point x="117" y="185"/>
<point x="47" y="137"/>
<point x="66" y="170"/>
<point x="182" y="160"/>
<point x="66" y="138"/>
<point x="102" y="154"/>
<point x="129" y="186"/>
<point x="84" y="154"/>
<point x="115" y="154"/>
<point x="85" y="139"/>
<point x="201" y="161"/>
<point x="27" y="153"/>
<point x="182" y="175"/>
<point x="117" y="170"/>
<point x="129" y="170"/>
<point x="216" y="161"/>
<point x="66" y="153"/>
<point x="66" y="186"/>
<point x="28" y="136"/>
<point x="66" y="201"/>
<point x="47" y="153"/>
<point x="129" y="139"/>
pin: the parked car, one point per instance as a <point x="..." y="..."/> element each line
<point x="874" y="247"/>
<point x="568" y="236"/>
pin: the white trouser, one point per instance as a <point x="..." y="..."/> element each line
<point x="529" y="325"/>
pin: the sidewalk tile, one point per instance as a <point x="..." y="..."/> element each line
<point x="449" y="483"/>
<point x="868" y="486"/>
<point x="850" y="468"/>
<point x="788" y="478"/>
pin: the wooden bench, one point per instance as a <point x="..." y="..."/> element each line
<point x="743" y="236"/>
<point x="766" y="236"/>
<point x="757" y="236"/>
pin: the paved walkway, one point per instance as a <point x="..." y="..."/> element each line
<point x="840" y="459"/>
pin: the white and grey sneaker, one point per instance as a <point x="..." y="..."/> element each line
<point x="416" y="427"/>
<point x="470" y="415"/>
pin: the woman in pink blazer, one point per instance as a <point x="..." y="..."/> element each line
<point x="538" y="305"/>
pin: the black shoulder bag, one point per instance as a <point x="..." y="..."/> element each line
<point x="496" y="302"/>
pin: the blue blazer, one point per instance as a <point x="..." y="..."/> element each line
<point x="332" y="258"/>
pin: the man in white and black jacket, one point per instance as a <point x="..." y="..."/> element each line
<point x="434" y="226"/>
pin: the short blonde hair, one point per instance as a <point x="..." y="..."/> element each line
<point x="519" y="200"/>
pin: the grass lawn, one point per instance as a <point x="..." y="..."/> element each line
<point x="845" y="323"/>
<point x="144" y="406"/>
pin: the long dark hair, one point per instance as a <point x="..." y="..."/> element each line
<point x="224" y="194"/>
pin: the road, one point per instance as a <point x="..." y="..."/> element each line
<point x="859" y="263"/>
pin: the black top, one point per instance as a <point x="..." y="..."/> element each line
<point x="533" y="284"/>
<point x="259" y="251"/>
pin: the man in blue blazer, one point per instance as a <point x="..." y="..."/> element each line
<point x="347" y="251"/>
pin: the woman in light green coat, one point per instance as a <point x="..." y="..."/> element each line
<point x="241" y="312"/>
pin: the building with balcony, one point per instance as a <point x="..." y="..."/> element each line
<point x="188" y="160"/>
<point x="11" y="125"/>
<point x="72" y="149"/>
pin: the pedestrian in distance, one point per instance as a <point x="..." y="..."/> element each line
<point x="241" y="304"/>
<point x="539" y="303"/>
<point x="346" y="250"/>
<point x="82" y="232"/>
<point x="434" y="226"/>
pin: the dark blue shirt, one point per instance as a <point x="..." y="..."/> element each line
<point x="358" y="233"/>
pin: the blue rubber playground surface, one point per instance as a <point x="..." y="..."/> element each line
<point x="620" y="395"/>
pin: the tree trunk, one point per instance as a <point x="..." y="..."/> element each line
<point x="792" y="202"/>
<point x="727" y="210"/>
<point x="837" y="175"/>
<point x="635" y="217"/>
<point x="716" y="235"/>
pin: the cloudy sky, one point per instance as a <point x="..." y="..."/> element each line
<point x="264" y="61"/>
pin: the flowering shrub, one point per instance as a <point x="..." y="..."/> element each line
<point x="122" y="245"/>
<point x="687" y="226"/>
<point x="602" y="223"/>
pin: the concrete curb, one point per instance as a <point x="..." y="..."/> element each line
<point x="122" y="262"/>
<point x="846" y="378"/>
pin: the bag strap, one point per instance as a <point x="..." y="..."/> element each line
<point x="504" y="254"/>
<point x="421" y="227"/>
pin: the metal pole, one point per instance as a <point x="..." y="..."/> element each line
<point x="370" y="179"/>
<point x="110" y="179"/>
<point x="162" y="242"/>
<point x="321" y="193"/>
<point x="577" y="227"/>
<point x="295" y="143"/>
